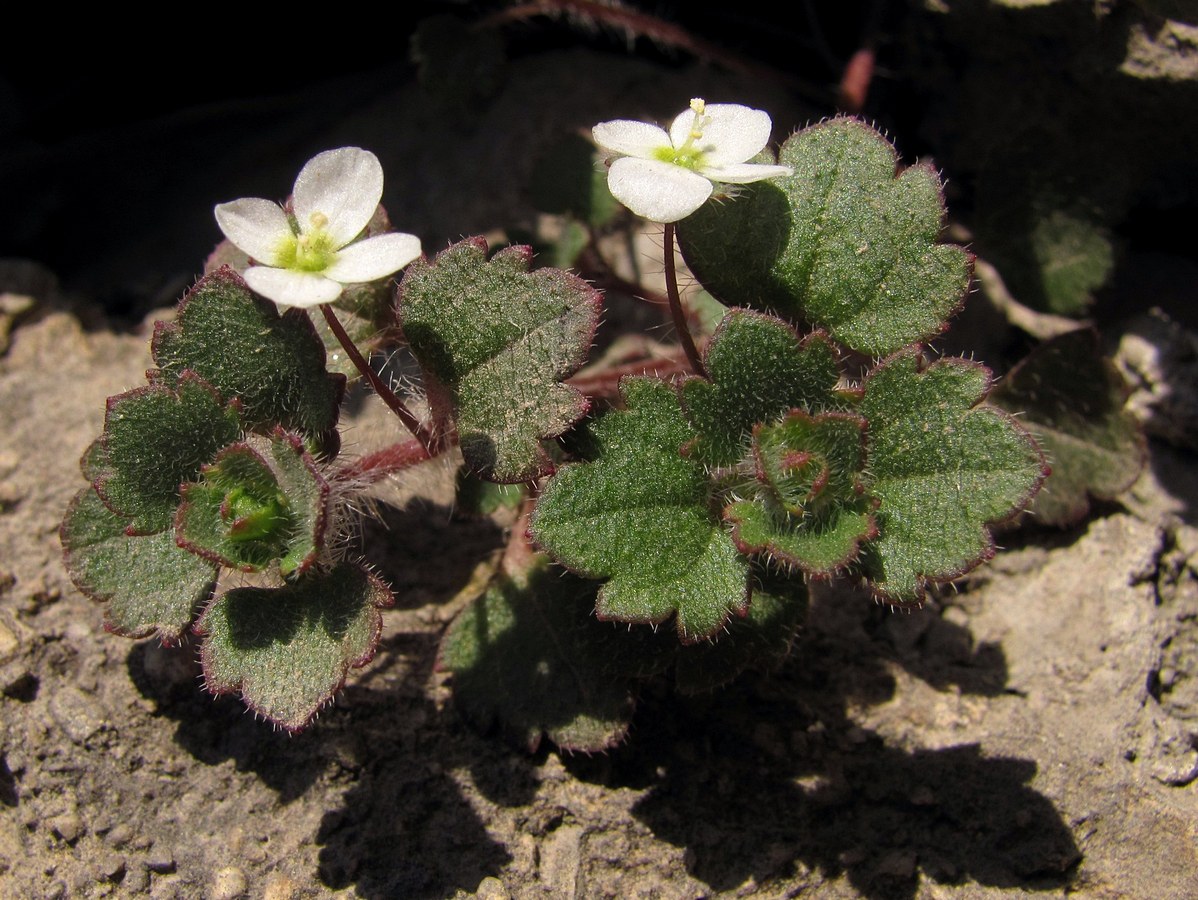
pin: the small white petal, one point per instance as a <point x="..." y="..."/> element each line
<point x="680" y="128"/>
<point x="743" y="173"/>
<point x="256" y="227"/>
<point x="657" y="191"/>
<point x="733" y="133"/>
<point x="343" y="185"/>
<point x="288" y="287"/>
<point x="630" y="138"/>
<point x="373" y="258"/>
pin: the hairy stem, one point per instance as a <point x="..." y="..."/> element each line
<point x="422" y="434"/>
<point x="684" y="334"/>
<point x="378" y="465"/>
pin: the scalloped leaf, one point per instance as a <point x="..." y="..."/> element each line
<point x="246" y="513"/>
<point x="287" y="650"/>
<point x="760" y="640"/>
<point x="813" y="513"/>
<point x="842" y="243"/>
<point x="494" y="341"/>
<point x="150" y="585"/>
<point x="530" y="656"/>
<point x="1072" y="399"/>
<point x="758" y="370"/>
<point x="238" y="342"/>
<point x="154" y="440"/>
<point x="942" y="468"/>
<point x="639" y="515"/>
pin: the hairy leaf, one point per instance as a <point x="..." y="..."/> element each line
<point x="494" y="341"/>
<point x="758" y="370"/>
<point x="150" y="585"/>
<point x="244" y="513"/>
<point x="812" y="512"/>
<point x="530" y="656"/>
<point x="154" y="440"/>
<point x="942" y="467"/>
<point x="760" y="640"/>
<point x="842" y="243"/>
<point x="639" y="515"/>
<point x="288" y="649"/>
<point x="1071" y="399"/>
<point x="274" y="365"/>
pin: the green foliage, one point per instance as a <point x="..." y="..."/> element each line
<point x="842" y="243"/>
<point x="150" y="586"/>
<point x="568" y="181"/>
<point x="759" y="640"/>
<point x="758" y="370"/>
<point x="274" y="365"/>
<point x="530" y="656"/>
<point x="494" y="341"/>
<point x="813" y="512"/>
<point x="288" y="649"/>
<point x="640" y="515"/>
<point x="476" y="497"/>
<point x="942" y="467"/>
<point x="154" y="439"/>
<point x="1071" y="399"/>
<point x="1074" y="257"/>
<point x="244" y="514"/>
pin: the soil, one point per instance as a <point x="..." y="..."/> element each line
<point x="1032" y="729"/>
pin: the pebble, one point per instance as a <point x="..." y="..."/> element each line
<point x="68" y="826"/>
<point x="229" y="884"/>
<point x="110" y="867"/>
<point x="78" y="715"/>
<point x="491" y="888"/>
<point x="9" y="642"/>
<point x="55" y="891"/>
<point x="160" y="860"/>
<point x="280" y="887"/>
<point x="120" y="835"/>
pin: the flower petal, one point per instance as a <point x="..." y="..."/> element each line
<point x="345" y="186"/>
<point x="255" y="226"/>
<point x="373" y="258"/>
<point x="743" y="173"/>
<point x="630" y="138"/>
<point x="288" y="287"/>
<point x="657" y="191"/>
<point x="731" y="133"/>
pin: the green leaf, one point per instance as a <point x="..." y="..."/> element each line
<point x="640" y="515"/>
<point x="154" y="440"/>
<point x="494" y="341"/>
<point x="476" y="497"/>
<point x="288" y="649"/>
<point x="568" y="180"/>
<point x="842" y="243"/>
<point x="758" y="370"/>
<point x="274" y="365"/>
<point x="1071" y="399"/>
<point x="813" y="512"/>
<point x="244" y="514"/>
<point x="760" y="640"/>
<point x="1074" y="256"/>
<point x="530" y="656"/>
<point x="942" y="468"/>
<point x="150" y="585"/>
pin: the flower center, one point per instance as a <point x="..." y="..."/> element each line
<point x="688" y="155"/>
<point x="312" y="250"/>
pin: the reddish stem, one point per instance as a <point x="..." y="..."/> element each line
<point x="378" y="465"/>
<point x="606" y="384"/>
<point x="684" y="334"/>
<point x="380" y="387"/>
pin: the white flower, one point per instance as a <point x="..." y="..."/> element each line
<point x="306" y="259"/>
<point x="665" y="176"/>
